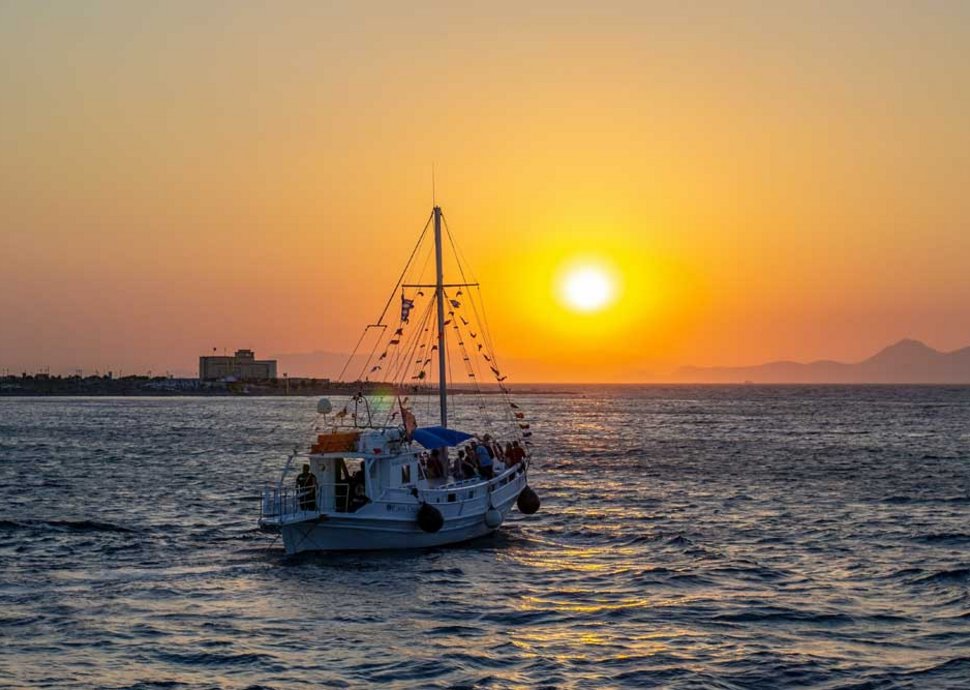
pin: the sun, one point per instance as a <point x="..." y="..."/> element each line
<point x="587" y="288"/>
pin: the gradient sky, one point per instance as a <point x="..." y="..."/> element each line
<point x="766" y="180"/>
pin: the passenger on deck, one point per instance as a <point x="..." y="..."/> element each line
<point x="469" y="468"/>
<point x="358" y="476"/>
<point x="436" y="468"/>
<point x="518" y="453"/>
<point x="358" y="491"/>
<point x="510" y="459"/>
<point x="306" y="485"/>
<point x="484" y="461"/>
<point x="496" y="448"/>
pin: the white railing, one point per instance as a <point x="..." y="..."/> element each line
<point x="336" y="497"/>
<point x="280" y="502"/>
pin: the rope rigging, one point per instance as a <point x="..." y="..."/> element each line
<point x="409" y="350"/>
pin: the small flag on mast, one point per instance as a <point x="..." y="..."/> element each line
<point x="406" y="306"/>
<point x="410" y="424"/>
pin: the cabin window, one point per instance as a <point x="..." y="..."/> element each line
<point x="452" y="498"/>
<point x="406" y="474"/>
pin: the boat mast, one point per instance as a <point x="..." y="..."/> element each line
<point x="440" y="295"/>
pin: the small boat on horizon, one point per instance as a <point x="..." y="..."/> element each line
<point x="374" y="479"/>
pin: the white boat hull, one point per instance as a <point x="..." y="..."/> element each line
<point x="381" y="526"/>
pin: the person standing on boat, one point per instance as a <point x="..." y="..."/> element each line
<point x="518" y="454"/>
<point x="484" y="461"/>
<point x="436" y="468"/>
<point x="306" y="485"/>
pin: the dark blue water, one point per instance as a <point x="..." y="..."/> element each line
<point x="748" y="537"/>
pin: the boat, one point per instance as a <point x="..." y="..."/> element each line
<point x="372" y="478"/>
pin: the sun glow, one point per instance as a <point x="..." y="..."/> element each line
<point x="587" y="288"/>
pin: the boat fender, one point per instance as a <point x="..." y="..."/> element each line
<point x="429" y="518"/>
<point x="528" y="501"/>
<point x="493" y="518"/>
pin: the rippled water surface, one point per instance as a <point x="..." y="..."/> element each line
<point x="749" y="537"/>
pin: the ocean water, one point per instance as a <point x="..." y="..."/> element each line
<point x="690" y="537"/>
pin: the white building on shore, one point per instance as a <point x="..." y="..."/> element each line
<point x="242" y="366"/>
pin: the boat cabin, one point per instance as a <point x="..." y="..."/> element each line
<point x="350" y="478"/>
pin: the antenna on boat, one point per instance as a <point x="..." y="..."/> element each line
<point x="434" y="202"/>
<point x="440" y="296"/>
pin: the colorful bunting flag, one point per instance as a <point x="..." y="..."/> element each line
<point x="406" y="306"/>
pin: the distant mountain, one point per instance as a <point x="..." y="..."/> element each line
<point x="908" y="361"/>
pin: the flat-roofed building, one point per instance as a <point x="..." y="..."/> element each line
<point x="242" y="366"/>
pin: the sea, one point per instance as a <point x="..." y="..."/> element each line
<point x="689" y="537"/>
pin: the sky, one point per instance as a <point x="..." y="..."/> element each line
<point x="754" y="181"/>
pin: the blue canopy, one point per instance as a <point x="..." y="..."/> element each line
<point x="439" y="436"/>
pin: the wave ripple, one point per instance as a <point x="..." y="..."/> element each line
<point x="749" y="537"/>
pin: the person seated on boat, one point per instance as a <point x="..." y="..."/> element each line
<point x="436" y="468"/>
<point x="468" y="464"/>
<point x="456" y="465"/>
<point x="484" y="461"/>
<point x="306" y="485"/>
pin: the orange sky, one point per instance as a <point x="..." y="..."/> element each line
<point x="766" y="182"/>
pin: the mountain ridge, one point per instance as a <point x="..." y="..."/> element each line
<point x="905" y="361"/>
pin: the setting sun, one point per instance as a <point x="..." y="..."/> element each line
<point x="587" y="288"/>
